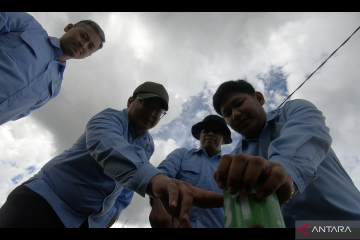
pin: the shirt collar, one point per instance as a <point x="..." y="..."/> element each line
<point x="56" y="43"/>
<point x="203" y="150"/>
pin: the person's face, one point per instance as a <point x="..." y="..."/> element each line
<point x="142" y="118"/>
<point x="211" y="141"/>
<point x="244" y="113"/>
<point x="79" y="42"/>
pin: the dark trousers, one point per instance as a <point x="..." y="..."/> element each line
<point x="26" y="209"/>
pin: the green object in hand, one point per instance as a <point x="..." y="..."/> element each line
<point x="251" y="212"/>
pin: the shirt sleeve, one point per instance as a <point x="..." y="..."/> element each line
<point x="123" y="200"/>
<point x="171" y="165"/>
<point x="303" y="143"/>
<point x="126" y="163"/>
<point x="15" y="21"/>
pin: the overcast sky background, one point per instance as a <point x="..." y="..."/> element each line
<point x="191" y="54"/>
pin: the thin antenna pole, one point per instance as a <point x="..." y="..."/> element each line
<point x="318" y="67"/>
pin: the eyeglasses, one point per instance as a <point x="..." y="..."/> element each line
<point x="156" y="112"/>
<point x="214" y="130"/>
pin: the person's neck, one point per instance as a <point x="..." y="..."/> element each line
<point x="63" y="58"/>
<point x="212" y="152"/>
<point x="138" y="133"/>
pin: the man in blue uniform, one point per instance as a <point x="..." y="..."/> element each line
<point x="92" y="182"/>
<point x="289" y="151"/>
<point x="32" y="63"/>
<point x="196" y="166"/>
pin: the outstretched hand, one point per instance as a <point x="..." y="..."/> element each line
<point x="240" y="172"/>
<point x="177" y="197"/>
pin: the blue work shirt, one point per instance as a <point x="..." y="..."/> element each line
<point x="30" y="74"/>
<point x="95" y="178"/>
<point x="195" y="167"/>
<point x="296" y="137"/>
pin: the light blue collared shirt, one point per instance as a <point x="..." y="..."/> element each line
<point x="195" y="167"/>
<point x="29" y="70"/>
<point x="296" y="137"/>
<point x="92" y="179"/>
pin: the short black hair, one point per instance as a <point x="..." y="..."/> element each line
<point x="96" y="28"/>
<point x="229" y="87"/>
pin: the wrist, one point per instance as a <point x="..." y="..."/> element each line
<point x="157" y="177"/>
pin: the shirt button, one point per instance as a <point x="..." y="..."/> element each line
<point x="294" y="217"/>
<point x="301" y="181"/>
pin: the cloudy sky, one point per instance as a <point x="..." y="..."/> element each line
<point x="191" y="54"/>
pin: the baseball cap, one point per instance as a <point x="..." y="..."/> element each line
<point x="150" y="90"/>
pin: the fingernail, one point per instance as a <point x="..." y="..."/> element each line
<point x="173" y="203"/>
<point x="231" y="191"/>
<point x="260" y="195"/>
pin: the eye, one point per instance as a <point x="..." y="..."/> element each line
<point x="239" y="103"/>
<point x="226" y="114"/>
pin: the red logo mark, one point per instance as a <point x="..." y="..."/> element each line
<point x="307" y="226"/>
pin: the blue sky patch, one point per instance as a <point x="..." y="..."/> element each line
<point x="17" y="178"/>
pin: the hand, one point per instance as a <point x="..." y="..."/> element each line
<point x="239" y="173"/>
<point x="177" y="197"/>
<point x="159" y="218"/>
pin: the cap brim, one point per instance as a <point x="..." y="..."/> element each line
<point x="196" y="129"/>
<point x="152" y="95"/>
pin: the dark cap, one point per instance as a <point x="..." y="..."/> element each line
<point x="218" y="121"/>
<point x="150" y="90"/>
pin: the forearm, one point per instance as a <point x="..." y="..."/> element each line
<point x="303" y="143"/>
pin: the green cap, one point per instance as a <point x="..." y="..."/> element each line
<point x="150" y="90"/>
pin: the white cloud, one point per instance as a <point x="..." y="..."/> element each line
<point x="25" y="147"/>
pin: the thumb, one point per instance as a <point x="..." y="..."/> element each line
<point x="215" y="174"/>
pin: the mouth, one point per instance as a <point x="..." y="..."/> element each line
<point x="242" y="122"/>
<point x="209" y="139"/>
<point x="148" y="120"/>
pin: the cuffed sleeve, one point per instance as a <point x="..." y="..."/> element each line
<point x="303" y="143"/>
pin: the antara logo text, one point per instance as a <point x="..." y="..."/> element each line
<point x="324" y="229"/>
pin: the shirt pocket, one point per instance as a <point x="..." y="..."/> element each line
<point x="25" y="54"/>
<point x="190" y="172"/>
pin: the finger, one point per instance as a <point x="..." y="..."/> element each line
<point x="215" y="175"/>
<point x="173" y="191"/>
<point x="186" y="196"/>
<point x="223" y="170"/>
<point x="175" y="223"/>
<point x="284" y="192"/>
<point x="206" y="199"/>
<point x="237" y="169"/>
<point x="184" y="223"/>
<point x="276" y="178"/>
<point x="255" y="167"/>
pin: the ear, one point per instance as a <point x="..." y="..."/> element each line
<point x="130" y="100"/>
<point x="68" y="27"/>
<point x="224" y="139"/>
<point x="198" y="136"/>
<point x="260" y="98"/>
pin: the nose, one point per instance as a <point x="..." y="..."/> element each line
<point x="211" y="132"/>
<point x="236" y="114"/>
